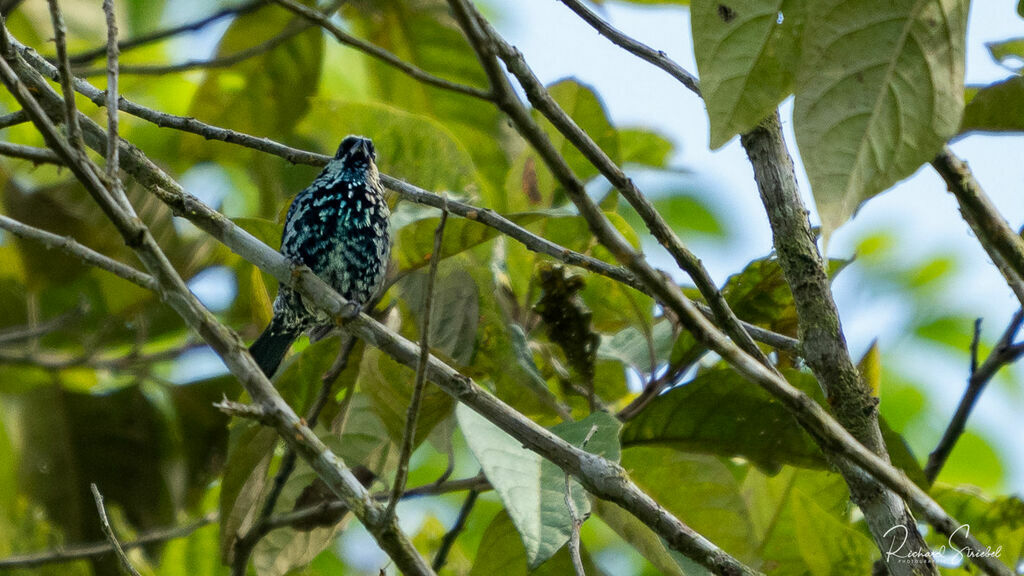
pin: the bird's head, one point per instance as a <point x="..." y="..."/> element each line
<point x="355" y="160"/>
<point x="356" y="150"/>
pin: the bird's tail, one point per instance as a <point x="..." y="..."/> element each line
<point x="269" y="349"/>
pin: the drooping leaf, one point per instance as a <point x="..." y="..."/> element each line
<point x="878" y="92"/>
<point x="747" y="54"/>
<point x="644" y="146"/>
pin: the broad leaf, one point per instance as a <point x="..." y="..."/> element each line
<point x="878" y="92"/>
<point x="747" y="56"/>
<point x="501" y="552"/>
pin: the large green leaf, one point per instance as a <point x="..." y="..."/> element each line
<point x="747" y="54"/>
<point x="533" y="489"/>
<point x="998" y="107"/>
<point x="721" y="413"/>
<point x="770" y="501"/>
<point x="389" y="386"/>
<point x="878" y="92"/>
<point x="410" y="146"/>
<point x="698" y="488"/>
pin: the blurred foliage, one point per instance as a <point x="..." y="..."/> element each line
<point x="116" y="392"/>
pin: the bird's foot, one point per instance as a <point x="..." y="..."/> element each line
<point x="351" y="311"/>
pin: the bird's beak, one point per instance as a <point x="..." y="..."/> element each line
<point x="364" y="145"/>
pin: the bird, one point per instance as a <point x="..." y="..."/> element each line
<point x="339" y="227"/>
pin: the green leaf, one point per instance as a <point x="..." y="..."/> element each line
<point x="998" y="107"/>
<point x="269" y="93"/>
<point x="582" y="103"/>
<point x="721" y="413"/>
<point x="68" y="440"/>
<point x="251" y="447"/>
<point x="402" y="139"/>
<point x="632" y="348"/>
<point x="389" y="386"/>
<point x="702" y="489"/>
<point x="1012" y="48"/>
<point x="502" y="552"/>
<point x="771" y="506"/>
<point x="746" y="54"/>
<point x="533" y="489"/>
<point x="827" y="545"/>
<point x="645" y="147"/>
<point x="638" y="535"/>
<point x="454" y="313"/>
<point x="878" y="92"/>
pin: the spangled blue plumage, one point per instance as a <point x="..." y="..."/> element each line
<point x="338" y="227"/>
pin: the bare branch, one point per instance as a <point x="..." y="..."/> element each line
<point x="13" y="119"/>
<point x="113" y="150"/>
<point x="31" y="153"/>
<point x="34" y="331"/>
<point x="381" y="54"/>
<point x="111" y="537"/>
<point x="450" y="536"/>
<point x="60" y="33"/>
<point x="142" y="40"/>
<point x="1006" y="352"/>
<point x="639" y="49"/>
<point x="87" y="255"/>
<point x="81" y="552"/>
<point x="1004" y="246"/>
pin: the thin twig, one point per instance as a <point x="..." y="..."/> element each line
<point x="574" y="515"/>
<point x="70" y="111"/>
<point x="87" y="255"/>
<point x="381" y="54"/>
<point x="84" y="551"/>
<point x="412" y="415"/>
<point x="294" y="29"/>
<point x="113" y="138"/>
<point x="31" y="153"/>
<point x="656" y="57"/>
<point x="1006" y="352"/>
<point x="1004" y="246"/>
<point x="144" y="39"/>
<point x="450" y="536"/>
<point x="13" y="119"/>
<point x="19" y="333"/>
<point x="109" y="532"/>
